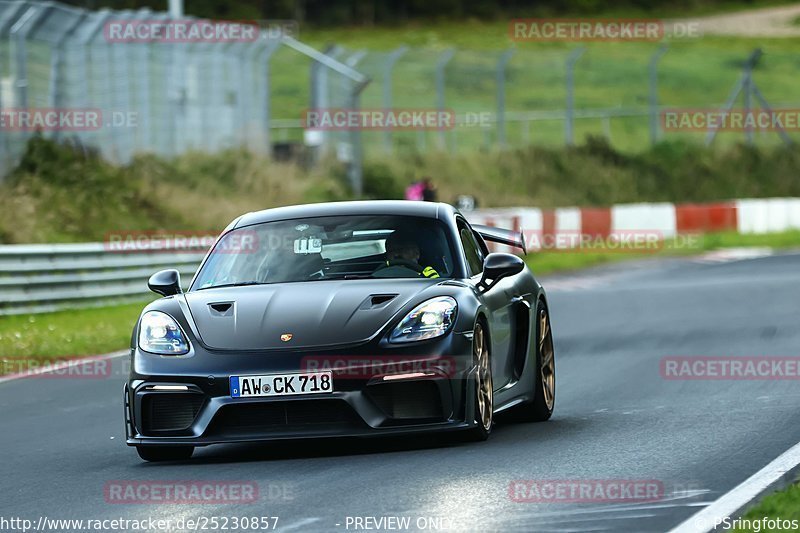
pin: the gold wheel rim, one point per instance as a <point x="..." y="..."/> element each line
<point x="547" y="355"/>
<point x="483" y="376"/>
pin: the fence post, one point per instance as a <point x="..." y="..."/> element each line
<point x="748" y="101"/>
<point x="760" y="97"/>
<point x="355" y="170"/>
<point x="56" y="58"/>
<point x="218" y="90"/>
<point x="356" y="167"/>
<point x="320" y="89"/>
<point x="87" y="37"/>
<point x="144" y="139"/>
<point x="391" y="61"/>
<point x="444" y="58"/>
<point x="123" y="134"/>
<point x="253" y="111"/>
<point x="569" y="132"/>
<point x="269" y="50"/>
<point x="19" y="34"/>
<point x="500" y="123"/>
<point x="743" y="83"/>
<point x="653" y="72"/>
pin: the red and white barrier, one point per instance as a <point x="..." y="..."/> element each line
<point x="558" y="228"/>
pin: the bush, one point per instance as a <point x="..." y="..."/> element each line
<point x="61" y="193"/>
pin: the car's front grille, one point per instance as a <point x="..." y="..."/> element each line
<point x="405" y="400"/>
<point x="247" y="418"/>
<point x="170" y="412"/>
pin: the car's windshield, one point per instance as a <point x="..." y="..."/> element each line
<point x="326" y="248"/>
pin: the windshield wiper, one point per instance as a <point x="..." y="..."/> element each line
<point x="237" y="284"/>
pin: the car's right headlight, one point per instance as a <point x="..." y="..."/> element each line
<point x="160" y="333"/>
<point x="428" y="320"/>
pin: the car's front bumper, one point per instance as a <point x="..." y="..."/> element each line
<point x="187" y="401"/>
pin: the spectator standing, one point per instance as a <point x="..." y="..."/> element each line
<point x="415" y="191"/>
<point x="428" y="190"/>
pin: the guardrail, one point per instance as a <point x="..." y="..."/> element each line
<point x="36" y="278"/>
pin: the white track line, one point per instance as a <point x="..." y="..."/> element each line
<point x="774" y="476"/>
<point x="46" y="369"/>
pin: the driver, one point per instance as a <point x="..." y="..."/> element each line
<point x="402" y="252"/>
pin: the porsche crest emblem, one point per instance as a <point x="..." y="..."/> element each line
<point x="286" y="337"/>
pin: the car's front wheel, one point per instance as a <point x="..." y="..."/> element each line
<point x="165" y="453"/>
<point x="483" y="397"/>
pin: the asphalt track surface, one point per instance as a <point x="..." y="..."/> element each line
<point x="616" y="418"/>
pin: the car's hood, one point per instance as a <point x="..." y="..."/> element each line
<point x="314" y="313"/>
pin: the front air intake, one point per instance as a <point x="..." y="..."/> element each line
<point x="170" y="412"/>
<point x="406" y="400"/>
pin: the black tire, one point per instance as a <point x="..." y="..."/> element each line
<point x="165" y="453"/>
<point x="544" y="398"/>
<point x="483" y="397"/>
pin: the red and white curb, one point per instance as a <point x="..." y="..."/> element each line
<point x="776" y="475"/>
<point x="667" y="220"/>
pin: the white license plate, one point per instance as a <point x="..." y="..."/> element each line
<point x="281" y="384"/>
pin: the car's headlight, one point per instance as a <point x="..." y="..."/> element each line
<point x="159" y="333"/>
<point x="426" y="321"/>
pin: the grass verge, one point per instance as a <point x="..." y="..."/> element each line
<point x="29" y="339"/>
<point x="783" y="505"/>
<point x="549" y="262"/>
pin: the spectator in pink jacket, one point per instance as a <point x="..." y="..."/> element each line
<point x="415" y="191"/>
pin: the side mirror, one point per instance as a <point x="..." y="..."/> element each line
<point x="165" y="282"/>
<point x="497" y="266"/>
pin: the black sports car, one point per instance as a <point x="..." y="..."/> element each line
<point x="340" y="319"/>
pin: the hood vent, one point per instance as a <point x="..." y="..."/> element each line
<point x="375" y="301"/>
<point x="221" y="308"/>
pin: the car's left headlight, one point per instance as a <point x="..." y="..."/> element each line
<point x="430" y="319"/>
<point x="159" y="333"/>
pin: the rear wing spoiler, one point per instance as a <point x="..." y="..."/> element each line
<point x="502" y="236"/>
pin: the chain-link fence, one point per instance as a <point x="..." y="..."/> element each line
<point x="558" y="95"/>
<point x="128" y="82"/>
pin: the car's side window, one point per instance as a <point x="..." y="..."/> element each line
<point x="482" y="248"/>
<point x="472" y="250"/>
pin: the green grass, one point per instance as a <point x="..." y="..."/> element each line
<point x="784" y="505"/>
<point x="66" y="334"/>
<point x="694" y="73"/>
<point x="549" y="262"/>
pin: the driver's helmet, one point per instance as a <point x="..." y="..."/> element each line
<point x="402" y="245"/>
<point x="402" y="249"/>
